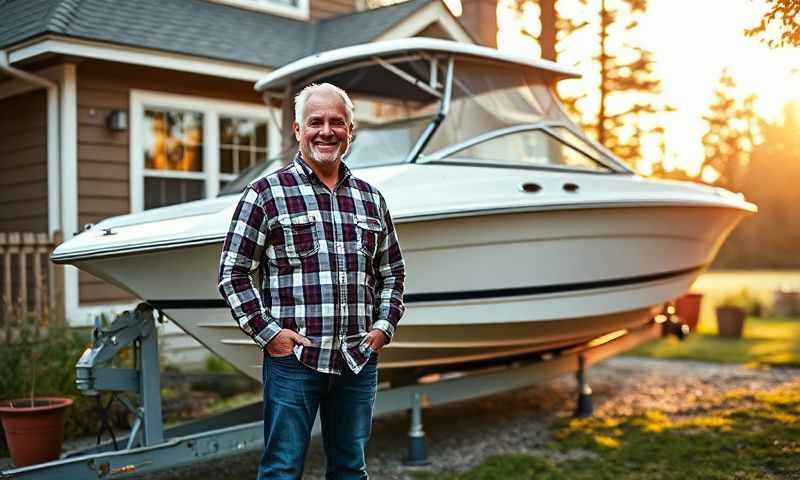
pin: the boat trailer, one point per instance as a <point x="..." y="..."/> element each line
<point x="149" y="447"/>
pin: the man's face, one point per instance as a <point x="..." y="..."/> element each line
<point x="325" y="134"/>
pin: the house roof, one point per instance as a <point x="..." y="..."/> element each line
<point x="195" y="27"/>
<point x="362" y="27"/>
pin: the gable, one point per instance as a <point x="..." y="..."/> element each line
<point x="434" y="30"/>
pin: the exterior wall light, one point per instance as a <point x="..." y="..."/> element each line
<point x="117" y="120"/>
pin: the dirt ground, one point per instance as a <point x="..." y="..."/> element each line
<point x="464" y="434"/>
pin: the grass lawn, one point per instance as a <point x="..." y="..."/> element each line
<point x="717" y="285"/>
<point x="772" y="341"/>
<point x="750" y="435"/>
<point x="764" y="342"/>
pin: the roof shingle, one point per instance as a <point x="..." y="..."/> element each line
<point x="195" y="27"/>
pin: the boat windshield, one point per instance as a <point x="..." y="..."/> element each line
<point x="528" y="148"/>
<point x="393" y="119"/>
<point x="490" y="96"/>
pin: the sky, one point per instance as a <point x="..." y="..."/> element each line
<point x="692" y="41"/>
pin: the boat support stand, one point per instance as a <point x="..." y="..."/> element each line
<point x="583" y="407"/>
<point x="150" y="447"/>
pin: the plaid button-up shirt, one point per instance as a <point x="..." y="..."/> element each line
<point x="326" y="264"/>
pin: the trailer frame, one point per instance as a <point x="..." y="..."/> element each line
<point x="151" y="448"/>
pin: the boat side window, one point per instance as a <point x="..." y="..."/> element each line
<point x="384" y="144"/>
<point x="527" y="148"/>
<point x="569" y="137"/>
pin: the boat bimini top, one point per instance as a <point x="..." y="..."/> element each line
<point x="424" y="100"/>
<point x="392" y="52"/>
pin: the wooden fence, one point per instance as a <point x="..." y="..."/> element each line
<point x="32" y="287"/>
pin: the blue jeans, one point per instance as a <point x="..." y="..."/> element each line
<point x="292" y="395"/>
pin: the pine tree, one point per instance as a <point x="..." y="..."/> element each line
<point x="627" y="78"/>
<point x="733" y="130"/>
<point x="629" y="106"/>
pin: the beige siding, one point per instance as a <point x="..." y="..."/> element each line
<point x="479" y="18"/>
<point x="23" y="162"/>
<point x="434" y="30"/>
<point x="103" y="163"/>
<point x="330" y="8"/>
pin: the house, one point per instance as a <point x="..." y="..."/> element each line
<point x="108" y="108"/>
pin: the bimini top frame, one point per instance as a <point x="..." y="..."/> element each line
<point x="277" y="81"/>
<point x="418" y="69"/>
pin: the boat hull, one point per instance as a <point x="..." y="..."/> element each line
<point x="478" y="287"/>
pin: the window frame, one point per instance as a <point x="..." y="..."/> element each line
<point x="301" y="11"/>
<point x="211" y="109"/>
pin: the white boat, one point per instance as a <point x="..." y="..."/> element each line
<point x="520" y="234"/>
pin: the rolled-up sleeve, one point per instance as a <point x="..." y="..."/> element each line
<point x="239" y="269"/>
<point x="390" y="275"/>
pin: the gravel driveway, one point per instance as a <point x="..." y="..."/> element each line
<point x="464" y="434"/>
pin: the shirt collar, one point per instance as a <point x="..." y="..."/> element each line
<point x="307" y="174"/>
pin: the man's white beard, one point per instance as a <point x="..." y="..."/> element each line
<point x="325" y="158"/>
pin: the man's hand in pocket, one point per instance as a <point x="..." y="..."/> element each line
<point x="376" y="339"/>
<point x="282" y="344"/>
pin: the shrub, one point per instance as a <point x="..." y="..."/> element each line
<point x="743" y="299"/>
<point x="46" y="365"/>
<point x="215" y="364"/>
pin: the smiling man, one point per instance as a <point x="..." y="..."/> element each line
<point x="323" y="245"/>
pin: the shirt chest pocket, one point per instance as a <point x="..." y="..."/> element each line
<point x="368" y="232"/>
<point x="299" y="239"/>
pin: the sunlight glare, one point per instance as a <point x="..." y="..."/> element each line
<point x="692" y="44"/>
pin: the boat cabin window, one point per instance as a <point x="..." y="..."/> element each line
<point x="384" y="144"/>
<point x="527" y="148"/>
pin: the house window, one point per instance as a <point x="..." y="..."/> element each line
<point x="186" y="148"/>
<point x="242" y="143"/>
<point x="290" y="8"/>
<point x="173" y="157"/>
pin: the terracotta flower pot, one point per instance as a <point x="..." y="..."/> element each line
<point x="35" y="433"/>
<point x="688" y="309"/>
<point x="730" y="321"/>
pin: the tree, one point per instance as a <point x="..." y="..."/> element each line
<point x="770" y="238"/>
<point x="733" y="130"/>
<point x="628" y="106"/>
<point x="782" y="19"/>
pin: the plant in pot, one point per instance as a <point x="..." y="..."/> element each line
<point x="34" y="426"/>
<point x="731" y="314"/>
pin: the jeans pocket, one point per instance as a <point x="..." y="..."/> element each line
<point x="289" y="368"/>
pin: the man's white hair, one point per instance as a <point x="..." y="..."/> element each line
<point x="301" y="98"/>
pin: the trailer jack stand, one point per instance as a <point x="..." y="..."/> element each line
<point x="417" y="451"/>
<point x="583" y="407"/>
